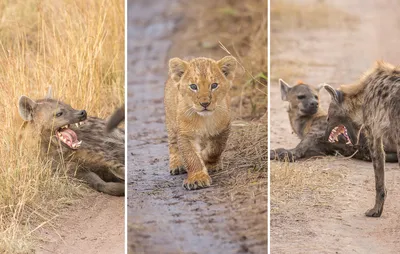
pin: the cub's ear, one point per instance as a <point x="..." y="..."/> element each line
<point x="228" y="66"/>
<point x="336" y="95"/>
<point x="177" y="68"/>
<point x="25" y="108"/>
<point x="285" y="88"/>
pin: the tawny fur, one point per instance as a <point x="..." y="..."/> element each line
<point x="99" y="160"/>
<point x="196" y="138"/>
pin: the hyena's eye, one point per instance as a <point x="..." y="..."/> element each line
<point x="214" y="86"/>
<point x="59" y="114"/>
<point x="193" y="87"/>
<point x="300" y="97"/>
<point x="316" y="97"/>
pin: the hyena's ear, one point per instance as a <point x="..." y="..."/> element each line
<point x="177" y="68"/>
<point x="336" y="95"/>
<point x="228" y="66"/>
<point x="25" y="108"/>
<point x="285" y="88"/>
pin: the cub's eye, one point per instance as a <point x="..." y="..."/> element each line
<point x="316" y="97"/>
<point x="300" y="97"/>
<point x="214" y="86"/>
<point x="59" y="114"/>
<point x="193" y="87"/>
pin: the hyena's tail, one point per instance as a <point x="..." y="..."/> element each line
<point x="116" y="118"/>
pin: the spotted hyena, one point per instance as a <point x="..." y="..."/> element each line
<point x="78" y="143"/>
<point x="308" y="121"/>
<point x="374" y="104"/>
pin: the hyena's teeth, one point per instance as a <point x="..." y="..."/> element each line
<point x="77" y="125"/>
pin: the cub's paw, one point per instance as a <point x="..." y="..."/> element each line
<point x="178" y="170"/>
<point x="374" y="212"/>
<point x="282" y="154"/>
<point x="197" y="180"/>
<point x="212" y="166"/>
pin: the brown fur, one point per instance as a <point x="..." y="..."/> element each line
<point x="99" y="160"/>
<point x="196" y="138"/>
<point x="373" y="102"/>
<point x="309" y="123"/>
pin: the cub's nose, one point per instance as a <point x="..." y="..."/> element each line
<point x="82" y="114"/>
<point x="204" y="104"/>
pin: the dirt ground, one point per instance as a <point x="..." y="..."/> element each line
<point x="330" y="219"/>
<point x="95" y="224"/>
<point x="162" y="216"/>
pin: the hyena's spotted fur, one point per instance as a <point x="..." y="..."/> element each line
<point x="78" y="143"/>
<point x="309" y="123"/>
<point x="373" y="102"/>
<point x="116" y="118"/>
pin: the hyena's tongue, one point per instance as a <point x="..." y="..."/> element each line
<point x="69" y="137"/>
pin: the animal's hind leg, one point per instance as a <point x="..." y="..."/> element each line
<point x="94" y="181"/>
<point x="378" y="160"/>
<point x="213" y="149"/>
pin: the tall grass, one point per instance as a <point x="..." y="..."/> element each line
<point x="77" y="48"/>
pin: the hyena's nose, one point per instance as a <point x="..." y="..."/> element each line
<point x="82" y="114"/>
<point x="314" y="104"/>
<point x="204" y="104"/>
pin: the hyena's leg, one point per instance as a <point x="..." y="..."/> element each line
<point x="378" y="160"/>
<point x="94" y="181"/>
<point x="176" y="165"/>
<point x="197" y="172"/>
<point x="211" y="153"/>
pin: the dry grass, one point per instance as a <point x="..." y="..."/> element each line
<point x="77" y="47"/>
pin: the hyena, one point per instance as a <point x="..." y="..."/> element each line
<point x="374" y="104"/>
<point x="116" y="118"/>
<point x="75" y="142"/>
<point x="309" y="123"/>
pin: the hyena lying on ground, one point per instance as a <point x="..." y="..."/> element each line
<point x="374" y="103"/>
<point x="78" y="143"/>
<point x="309" y="123"/>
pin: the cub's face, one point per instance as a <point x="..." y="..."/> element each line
<point x="203" y="82"/>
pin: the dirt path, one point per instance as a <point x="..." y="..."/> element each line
<point x="94" y="225"/>
<point x="162" y="216"/>
<point x="342" y="56"/>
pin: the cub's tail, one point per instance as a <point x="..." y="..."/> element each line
<point x="116" y="118"/>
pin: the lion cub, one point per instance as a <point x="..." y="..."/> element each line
<point x="197" y="111"/>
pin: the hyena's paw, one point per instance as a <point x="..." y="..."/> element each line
<point x="282" y="154"/>
<point x="197" y="180"/>
<point x="178" y="170"/>
<point x="374" y="212"/>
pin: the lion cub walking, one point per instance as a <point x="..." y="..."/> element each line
<point x="197" y="110"/>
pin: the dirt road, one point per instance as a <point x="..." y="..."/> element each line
<point x="162" y="216"/>
<point x="341" y="56"/>
<point x="93" y="225"/>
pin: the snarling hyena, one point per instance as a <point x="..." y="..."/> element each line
<point x="309" y="123"/>
<point x="75" y="142"/>
<point x="374" y="103"/>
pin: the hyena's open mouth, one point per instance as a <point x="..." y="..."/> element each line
<point x="68" y="136"/>
<point x="336" y="132"/>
